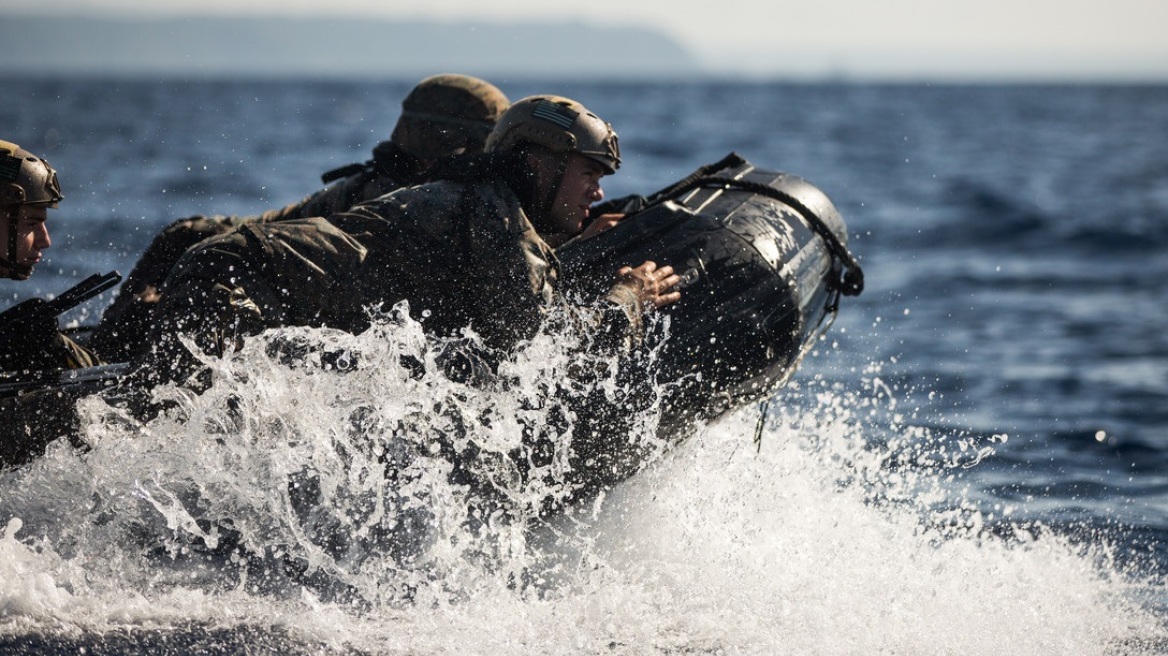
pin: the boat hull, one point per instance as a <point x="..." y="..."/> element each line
<point x="760" y="283"/>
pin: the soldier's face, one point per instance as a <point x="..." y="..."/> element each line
<point x="579" y="189"/>
<point x="32" y="236"/>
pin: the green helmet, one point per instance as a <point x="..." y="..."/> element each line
<point x="558" y="124"/>
<point x="448" y="114"/>
<point x="25" y="179"/>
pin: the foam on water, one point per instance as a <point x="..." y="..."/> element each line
<point x="842" y="531"/>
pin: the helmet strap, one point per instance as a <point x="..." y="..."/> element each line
<point x="16" y="271"/>
<point x="546" y="198"/>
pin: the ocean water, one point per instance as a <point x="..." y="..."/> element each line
<point x="971" y="462"/>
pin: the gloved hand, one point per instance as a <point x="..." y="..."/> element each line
<point x="30" y="338"/>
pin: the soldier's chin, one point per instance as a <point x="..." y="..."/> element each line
<point x="20" y="273"/>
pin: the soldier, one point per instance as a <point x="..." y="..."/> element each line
<point x="28" y="190"/>
<point x="443" y="115"/>
<point x="474" y="248"/>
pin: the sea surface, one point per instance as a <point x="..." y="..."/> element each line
<point x="974" y="460"/>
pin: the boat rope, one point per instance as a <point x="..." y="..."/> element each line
<point x="685" y="184"/>
<point x="763" y="408"/>
<point x="853" y="277"/>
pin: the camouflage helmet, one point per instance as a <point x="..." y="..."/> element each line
<point x="26" y="179"/>
<point x="559" y="124"/>
<point x="447" y="114"/>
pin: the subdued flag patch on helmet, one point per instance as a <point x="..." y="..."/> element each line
<point x="28" y="179"/>
<point x="9" y="168"/>
<point x="558" y="124"/>
<point x="555" y="113"/>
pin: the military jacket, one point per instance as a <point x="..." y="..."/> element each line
<point x="461" y="254"/>
<point x="120" y="335"/>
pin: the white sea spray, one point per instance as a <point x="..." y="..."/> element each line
<point x="305" y="495"/>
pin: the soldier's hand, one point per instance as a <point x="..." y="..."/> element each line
<point x="28" y="336"/>
<point x="30" y="323"/>
<point x="653" y="286"/>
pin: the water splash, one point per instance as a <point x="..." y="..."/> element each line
<point x="308" y="501"/>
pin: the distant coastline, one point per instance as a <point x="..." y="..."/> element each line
<point x="154" y="46"/>
<point x="332" y="47"/>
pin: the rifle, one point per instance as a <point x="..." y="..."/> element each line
<point x="36" y="315"/>
<point x="79" y="381"/>
<point x="38" y="311"/>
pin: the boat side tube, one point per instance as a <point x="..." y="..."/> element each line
<point x="763" y="261"/>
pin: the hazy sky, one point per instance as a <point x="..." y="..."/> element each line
<point x="1120" y="36"/>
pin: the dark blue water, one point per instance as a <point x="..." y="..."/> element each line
<point x="1006" y="367"/>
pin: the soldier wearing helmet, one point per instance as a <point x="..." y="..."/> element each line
<point x="443" y="115"/>
<point x="446" y="115"/>
<point x="470" y="253"/>
<point x="28" y="189"/>
<point x="472" y="249"/>
<point x="567" y="146"/>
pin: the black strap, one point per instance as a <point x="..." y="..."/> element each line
<point x="685" y="184"/>
<point x="16" y="270"/>
<point x="344" y="172"/>
<point x="853" y="279"/>
<point x="389" y="160"/>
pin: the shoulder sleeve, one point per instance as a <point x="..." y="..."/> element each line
<point x="511" y="268"/>
<point x="518" y="272"/>
<point x="74" y="355"/>
<point x="340" y="197"/>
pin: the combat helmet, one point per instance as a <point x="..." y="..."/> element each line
<point x="25" y="179"/>
<point x="448" y="114"/>
<point x="558" y="124"/>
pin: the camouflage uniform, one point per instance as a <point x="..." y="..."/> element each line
<point x="30" y="342"/>
<point x="124" y="325"/>
<point x="442" y="115"/>
<point x="462" y="252"/>
<point x="33" y="419"/>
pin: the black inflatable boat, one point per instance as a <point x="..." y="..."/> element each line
<point x="763" y="259"/>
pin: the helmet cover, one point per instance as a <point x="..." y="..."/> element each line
<point x="559" y="124"/>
